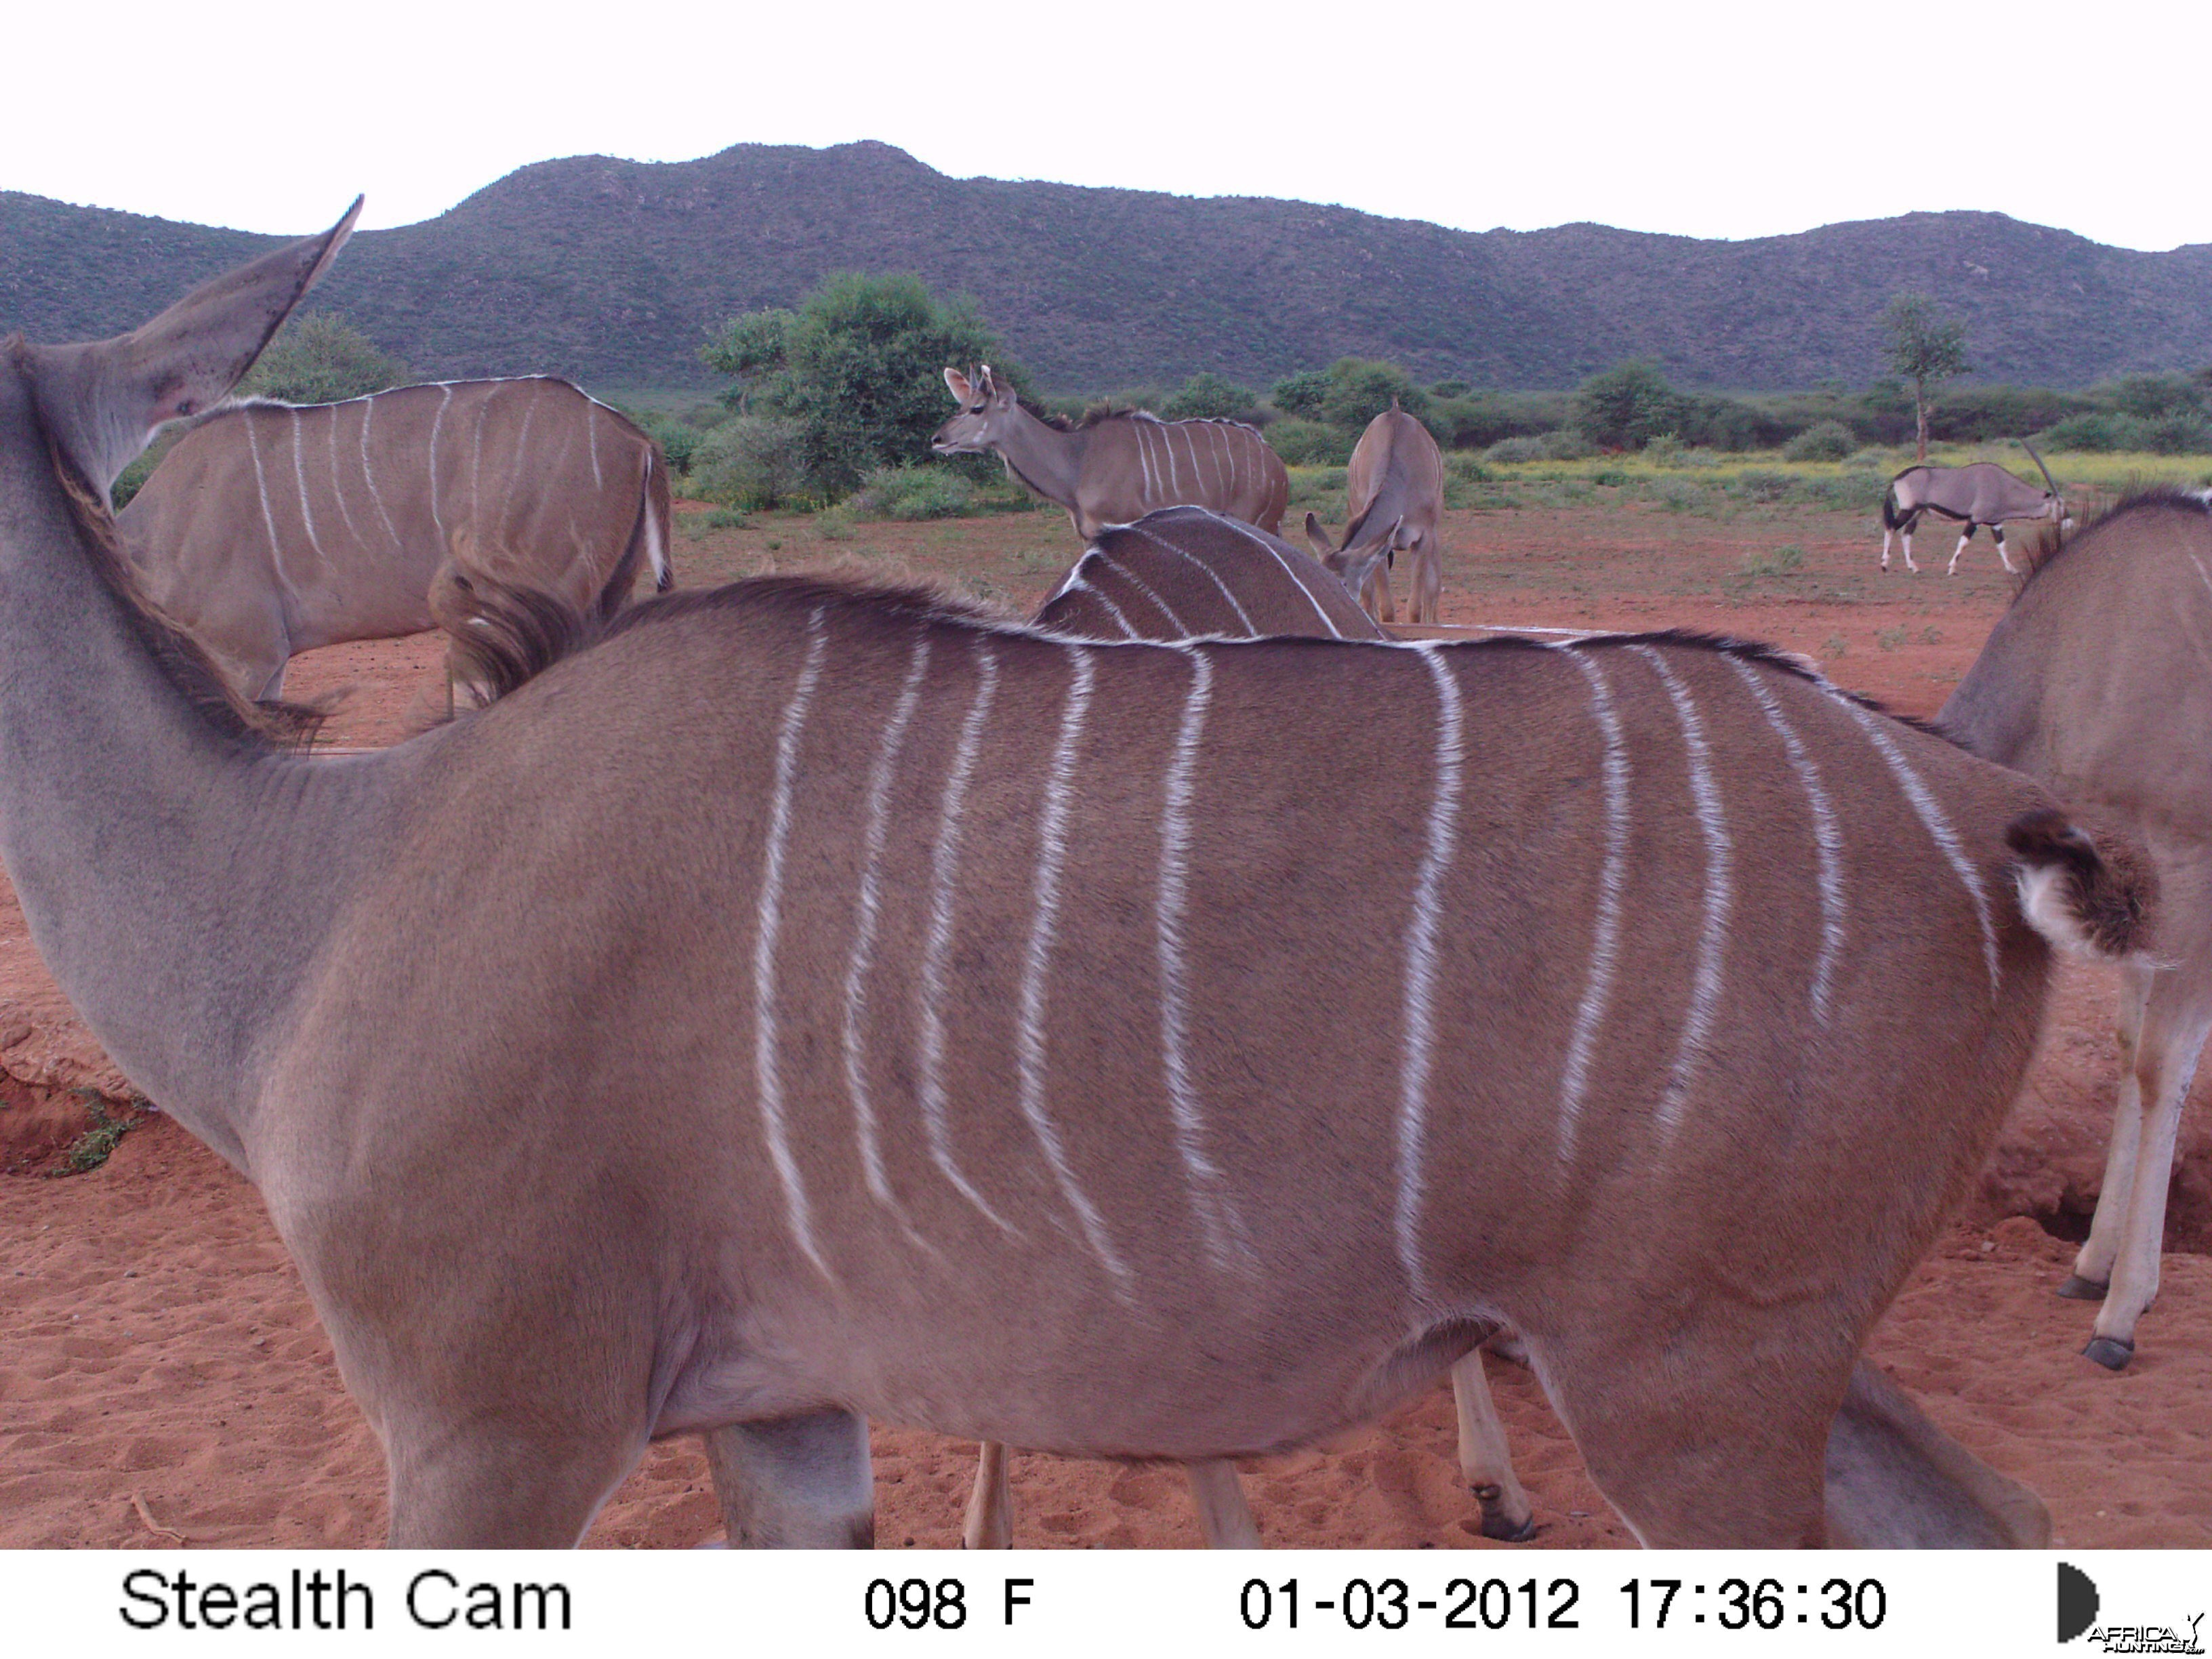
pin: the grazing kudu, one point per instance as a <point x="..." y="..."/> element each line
<point x="1981" y="493"/>
<point x="2097" y="681"/>
<point x="1126" y="1103"/>
<point x="271" y="528"/>
<point x="1395" y="501"/>
<point x="1190" y="573"/>
<point x="1116" y="468"/>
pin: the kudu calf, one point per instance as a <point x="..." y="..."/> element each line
<point x="1115" y="468"/>
<point x="1983" y="493"/>
<point x="2096" y="681"/>
<point x="271" y="528"/>
<point x="1395" y="501"/>
<point x="1124" y="1102"/>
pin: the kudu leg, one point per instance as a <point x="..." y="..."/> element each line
<point x="2175" y="1026"/>
<point x="990" y="1520"/>
<point x="1426" y="569"/>
<point x="1223" y="1515"/>
<point x="1485" y="1462"/>
<point x="1377" y="598"/>
<point x="796" y="1483"/>
<point x="2093" y="1262"/>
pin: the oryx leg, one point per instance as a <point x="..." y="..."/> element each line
<point x="2093" y="1262"/>
<point x="1967" y="535"/>
<point x="796" y="1483"/>
<point x="2004" y="557"/>
<point x="990" y="1520"/>
<point x="1911" y="523"/>
<point x="1485" y="1462"/>
<point x="504" y="1487"/>
<point x="1426" y="570"/>
<point x="2177" y="1020"/>
<point x="1223" y="1515"/>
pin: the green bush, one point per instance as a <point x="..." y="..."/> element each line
<point x="1310" y="443"/>
<point x="1301" y="394"/>
<point x="1829" y="440"/>
<point x="1627" y="405"/>
<point x="916" y="492"/>
<point x="320" y="358"/>
<point x="755" y="461"/>
<point x="1208" y="395"/>
<point x="1850" y="491"/>
<point x="1567" y="444"/>
<point x="1755" y="485"/>
<point x="1507" y="451"/>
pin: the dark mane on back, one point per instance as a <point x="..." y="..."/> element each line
<point x="2051" y="543"/>
<point x="1089" y="417"/>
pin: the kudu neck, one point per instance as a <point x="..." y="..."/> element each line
<point x="159" y="861"/>
<point x="1046" y="459"/>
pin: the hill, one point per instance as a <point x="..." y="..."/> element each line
<point x="612" y="272"/>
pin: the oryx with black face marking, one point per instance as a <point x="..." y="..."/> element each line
<point x="1981" y="493"/>
<point x="1115" y="468"/>
<point x="1028" y="1039"/>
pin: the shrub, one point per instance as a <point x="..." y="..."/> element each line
<point x="1208" y="395"/>
<point x="1627" y="405"/>
<point x="1830" y="441"/>
<point x="1755" y="485"/>
<point x="1567" y="444"/>
<point x="755" y="461"/>
<point x="1848" y="492"/>
<point x="1665" y="449"/>
<point x="1450" y="388"/>
<point x="1310" y="443"/>
<point x="2101" y="433"/>
<point x="1301" y="394"/>
<point x="1507" y="451"/>
<point x="320" y="358"/>
<point x="2152" y="397"/>
<point x="916" y="492"/>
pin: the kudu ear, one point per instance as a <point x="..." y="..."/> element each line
<point x="1318" y="536"/>
<point x="956" y="384"/>
<point x="102" y="400"/>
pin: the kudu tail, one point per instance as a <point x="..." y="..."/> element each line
<point x="2095" y="897"/>
<point x="648" y="541"/>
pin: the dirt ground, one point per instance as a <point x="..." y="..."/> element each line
<point x="163" y="1380"/>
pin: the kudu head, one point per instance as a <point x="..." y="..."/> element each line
<point x="1365" y="545"/>
<point x="102" y="400"/>
<point x="2056" y="508"/>
<point x="988" y="411"/>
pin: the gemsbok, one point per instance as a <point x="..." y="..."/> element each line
<point x="1394" y="490"/>
<point x="1115" y="468"/>
<point x="1190" y="573"/>
<point x="1983" y="493"/>
<point x="2096" y="681"/>
<point x="1127" y="1101"/>
<point x="271" y="528"/>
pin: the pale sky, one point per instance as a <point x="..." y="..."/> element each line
<point x="1704" y="119"/>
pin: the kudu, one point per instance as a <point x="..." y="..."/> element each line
<point x="271" y="528"/>
<point x="611" y="1070"/>
<point x="1118" y="467"/>
<point x="1395" y="501"/>
<point x="2097" y="680"/>
<point x="1981" y="493"/>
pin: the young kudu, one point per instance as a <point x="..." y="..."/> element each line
<point x="1115" y="469"/>
<point x="611" y="1070"/>
<point x="1981" y="493"/>
<point x="1396" y="491"/>
<point x="269" y="529"/>
<point x="2098" y="681"/>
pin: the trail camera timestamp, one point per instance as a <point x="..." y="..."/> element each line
<point x="1760" y="1604"/>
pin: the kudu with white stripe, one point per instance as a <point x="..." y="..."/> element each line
<point x="2097" y="681"/>
<point x="1394" y="490"/>
<point x="1118" y="467"/>
<point x="1073" y="1072"/>
<point x="1189" y="572"/>
<point x="271" y="528"/>
<point x="1983" y="493"/>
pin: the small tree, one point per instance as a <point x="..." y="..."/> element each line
<point x="1301" y="394"/>
<point x="1627" y="406"/>
<point x="1207" y="396"/>
<point x="319" y="357"/>
<point x="1925" y="349"/>
<point x="858" y="367"/>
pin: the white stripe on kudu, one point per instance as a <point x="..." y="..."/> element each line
<point x="338" y="482"/>
<point x="944" y="878"/>
<point x="261" y="484"/>
<point x="1712" y="937"/>
<point x="1145" y="588"/>
<point x="445" y="397"/>
<point x="1605" y="936"/>
<point x="1417" y="1050"/>
<point x="1289" y="570"/>
<point x="1216" y="1213"/>
<point x="768" y="1069"/>
<point x="1938" y="827"/>
<point x="300" y="474"/>
<point x="1827" y="839"/>
<point x="868" y="913"/>
<point x="1203" y="569"/>
<point x="369" y="474"/>
<point x="1029" y="1042"/>
<point x="1079" y="585"/>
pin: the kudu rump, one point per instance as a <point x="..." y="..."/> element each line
<point x="2096" y="681"/>
<point x="271" y="529"/>
<point x="1116" y="468"/>
<point x="1394" y="491"/>
<point x="1981" y="493"/>
<point x="1129" y="1100"/>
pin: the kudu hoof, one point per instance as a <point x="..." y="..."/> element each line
<point x="2078" y="1289"/>
<point x="2109" y="1351"/>
<point x="1497" y="1524"/>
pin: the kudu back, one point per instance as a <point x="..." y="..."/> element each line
<point x="749" y="1090"/>
<point x="1395" y="502"/>
<point x="272" y="529"/>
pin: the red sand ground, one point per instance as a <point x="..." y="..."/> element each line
<point x="163" y="1379"/>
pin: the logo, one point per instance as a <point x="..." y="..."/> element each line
<point x="2079" y="1605"/>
